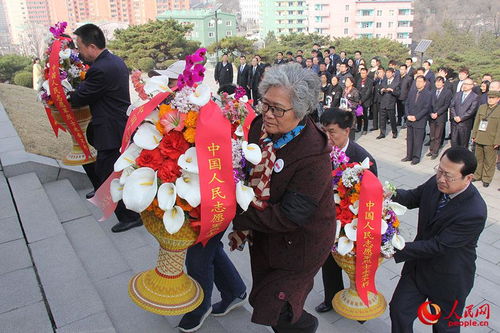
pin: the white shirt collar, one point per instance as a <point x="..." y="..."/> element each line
<point x="346" y="145"/>
<point x="455" y="194"/>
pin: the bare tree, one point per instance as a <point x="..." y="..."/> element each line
<point x="33" y="40"/>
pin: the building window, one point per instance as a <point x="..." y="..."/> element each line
<point x="347" y="7"/>
<point x="318" y="19"/>
<point x="211" y="35"/>
<point x="377" y="35"/>
<point x="390" y="24"/>
<point x="346" y="31"/>
<point x="404" y="11"/>
<point x="365" y="25"/>
<point x="379" y="25"/>
<point x="211" y="24"/>
<point x="391" y="12"/>
<point x="229" y="33"/>
<point x="403" y="35"/>
<point x="366" y="35"/>
<point x="300" y="29"/>
<point x="346" y="19"/>
<point x="404" y="24"/>
<point x="389" y="36"/>
<point x="229" y="23"/>
<point x="365" y="12"/>
<point x="379" y="12"/>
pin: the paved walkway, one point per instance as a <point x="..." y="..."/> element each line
<point x="99" y="263"/>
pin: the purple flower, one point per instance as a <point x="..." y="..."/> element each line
<point x="181" y="82"/>
<point x="240" y="92"/>
<point x="63" y="75"/>
<point x="58" y="29"/>
<point x="189" y="62"/>
<point x="198" y="72"/>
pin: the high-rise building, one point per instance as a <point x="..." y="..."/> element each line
<point x="4" y="29"/>
<point x="164" y="5"/>
<point x="250" y="11"/>
<point x="391" y="19"/>
<point x="283" y="17"/>
<point x="23" y="16"/>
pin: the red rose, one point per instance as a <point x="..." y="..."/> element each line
<point x="344" y="204"/>
<point x="173" y="145"/>
<point x="346" y="216"/>
<point x="169" y="171"/>
<point x="150" y="158"/>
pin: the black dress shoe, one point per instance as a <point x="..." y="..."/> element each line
<point x="404" y="126"/>
<point x="380" y="137"/>
<point x="364" y="133"/>
<point x="358" y="130"/>
<point x="373" y="129"/>
<point x="124" y="226"/>
<point x="428" y="154"/>
<point x="394" y="135"/>
<point x="415" y="162"/>
<point x="486" y="184"/>
<point x="323" y="308"/>
<point x="406" y="159"/>
<point x="90" y="195"/>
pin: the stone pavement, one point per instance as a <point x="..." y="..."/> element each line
<point x="62" y="271"/>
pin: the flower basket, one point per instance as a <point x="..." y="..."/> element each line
<point x="166" y="290"/>
<point x="76" y="156"/>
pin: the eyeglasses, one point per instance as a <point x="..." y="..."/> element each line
<point x="447" y="177"/>
<point x="263" y="107"/>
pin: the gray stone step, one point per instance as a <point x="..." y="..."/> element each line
<point x="65" y="200"/>
<point x="37" y="215"/>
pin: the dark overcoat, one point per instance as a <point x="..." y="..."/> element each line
<point x="293" y="236"/>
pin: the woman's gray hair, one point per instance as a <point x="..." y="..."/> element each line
<point x="303" y="84"/>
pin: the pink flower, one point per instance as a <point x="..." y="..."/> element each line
<point x="173" y="120"/>
<point x="189" y="62"/>
<point x="198" y="72"/>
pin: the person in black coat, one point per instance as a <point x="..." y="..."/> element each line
<point x="254" y="75"/>
<point x="440" y="262"/>
<point x="365" y="89"/>
<point x="223" y="73"/>
<point x="430" y="77"/>
<point x="337" y="125"/>
<point x="377" y="85"/>
<point x="441" y="99"/>
<point x="106" y="90"/>
<point x="389" y="93"/>
<point x="333" y="95"/>
<point x="404" y="88"/>
<point x="418" y="107"/>
<point x="243" y="72"/>
<point x="463" y="110"/>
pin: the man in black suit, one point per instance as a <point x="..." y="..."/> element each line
<point x="242" y="78"/>
<point x="106" y="90"/>
<point x="409" y="67"/>
<point x="441" y="99"/>
<point x="343" y="58"/>
<point x="429" y="74"/>
<point x="418" y="107"/>
<point x="389" y="93"/>
<point x="377" y="85"/>
<point x="316" y="47"/>
<point x="254" y="75"/>
<point x="440" y="262"/>
<point x="365" y="88"/>
<point x="337" y="125"/>
<point x="404" y="88"/>
<point x="279" y="59"/>
<point x="463" y="109"/>
<point x="223" y="73"/>
<point x="334" y="57"/>
<point x="463" y="74"/>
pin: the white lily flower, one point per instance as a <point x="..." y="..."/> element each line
<point x="344" y="246"/>
<point x="154" y="116"/>
<point x="147" y="136"/>
<point x="239" y="131"/>
<point x="156" y="84"/>
<point x="398" y="241"/>
<point x="354" y="208"/>
<point x="366" y="163"/>
<point x="128" y="157"/>
<point x="188" y="161"/>
<point x="116" y="190"/>
<point x="188" y="188"/>
<point x="397" y="208"/>
<point x="125" y="173"/>
<point x="201" y="95"/>
<point x="251" y="152"/>
<point x="244" y="195"/>
<point x="383" y="227"/>
<point x="166" y="196"/>
<point x="338" y="226"/>
<point x="336" y="198"/>
<point x="140" y="189"/>
<point x="65" y="54"/>
<point x="243" y="99"/>
<point x="351" y="230"/>
<point x="173" y="219"/>
<point x="45" y="86"/>
<point x="66" y="85"/>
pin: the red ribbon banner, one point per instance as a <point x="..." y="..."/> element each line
<point x="61" y="102"/>
<point x="53" y="123"/>
<point x="248" y="120"/>
<point x="215" y="164"/>
<point x="368" y="234"/>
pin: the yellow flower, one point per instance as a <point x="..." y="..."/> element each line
<point x="191" y="119"/>
<point x="396" y="223"/>
<point x="189" y="134"/>
<point x="354" y="197"/>
<point x="164" y="109"/>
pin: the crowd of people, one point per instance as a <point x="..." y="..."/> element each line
<point x="440" y="105"/>
<point x="305" y="109"/>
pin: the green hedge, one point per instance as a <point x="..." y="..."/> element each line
<point x="24" y="78"/>
<point x="146" y="64"/>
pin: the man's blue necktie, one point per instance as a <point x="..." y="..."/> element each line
<point x="445" y="198"/>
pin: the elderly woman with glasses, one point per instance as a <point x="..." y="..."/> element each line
<point x="292" y="218"/>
